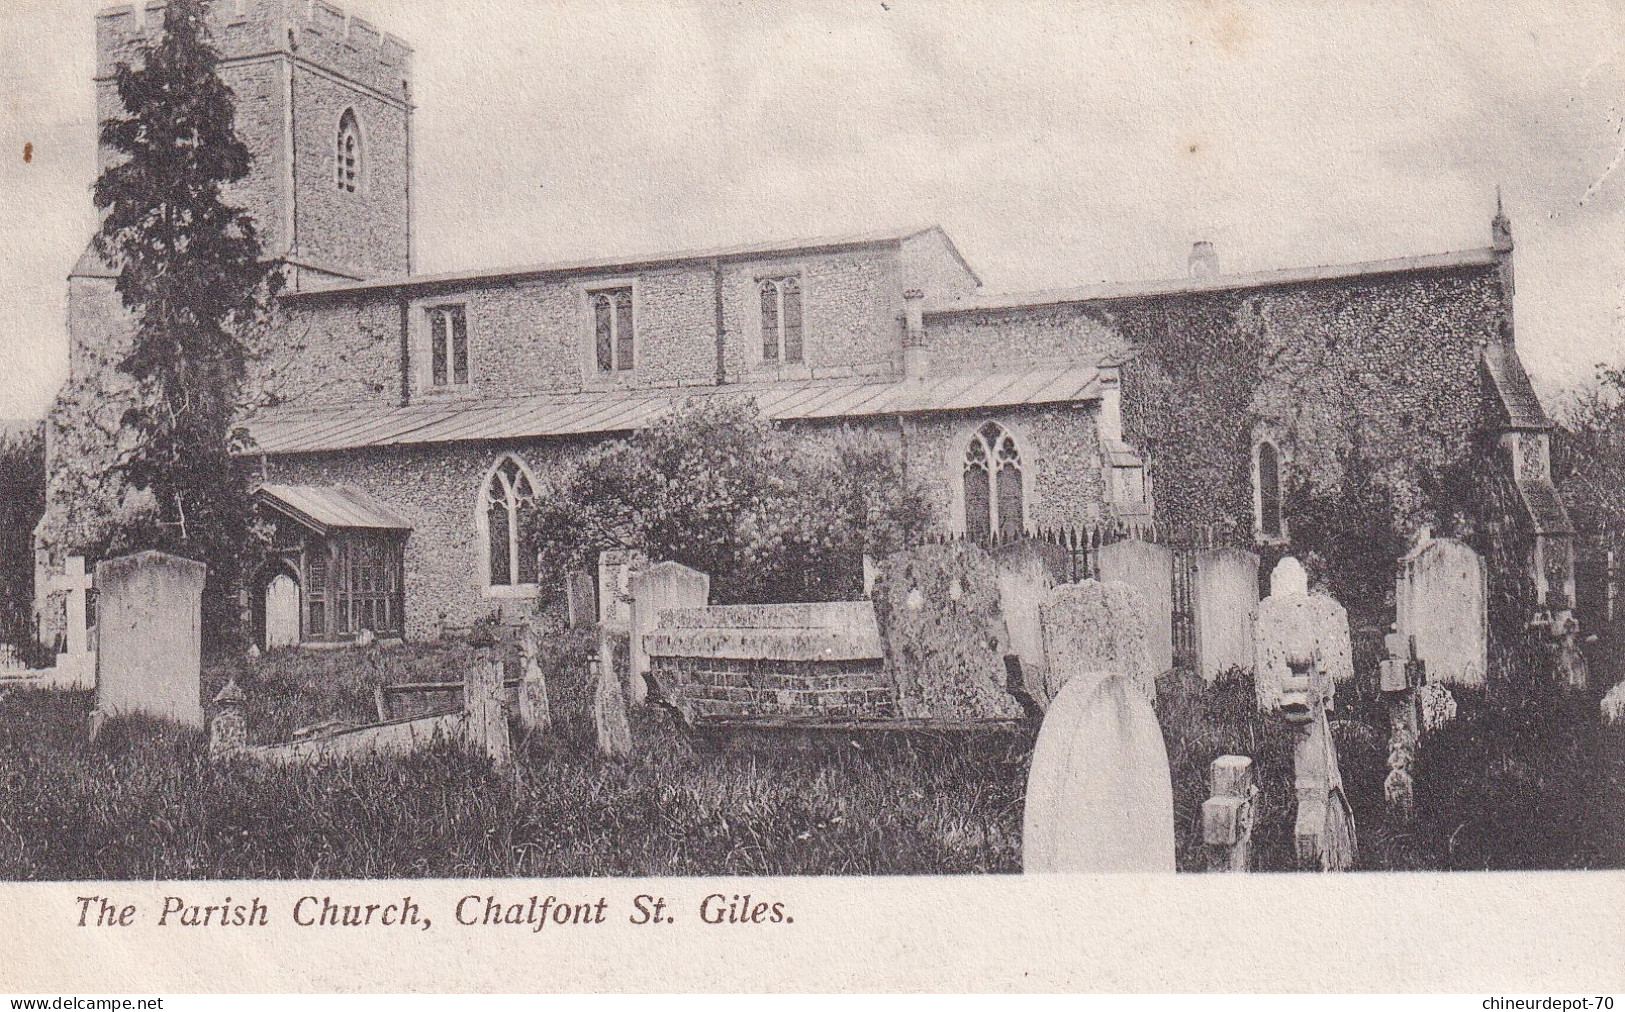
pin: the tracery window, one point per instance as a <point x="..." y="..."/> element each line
<point x="510" y="498"/>
<point x="992" y="485"/>
<point x="781" y="319"/>
<point x="348" y="161"/>
<point x="614" y="332"/>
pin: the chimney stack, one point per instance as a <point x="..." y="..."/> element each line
<point x="916" y="355"/>
<point x="1204" y="262"/>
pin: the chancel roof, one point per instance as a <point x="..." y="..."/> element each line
<point x="347" y="427"/>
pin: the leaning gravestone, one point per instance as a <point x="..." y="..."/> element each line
<point x="149" y="627"/>
<point x="937" y="609"/>
<point x="1025" y="578"/>
<point x="1099" y="794"/>
<point x="1093" y="627"/>
<point x="1149" y="569"/>
<point x="580" y="599"/>
<point x="1301" y="640"/>
<point x="659" y="588"/>
<point x="1440" y="599"/>
<point x="609" y="713"/>
<point x="1224" y="598"/>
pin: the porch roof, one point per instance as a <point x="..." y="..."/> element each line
<point x="326" y="508"/>
<point x="356" y="426"/>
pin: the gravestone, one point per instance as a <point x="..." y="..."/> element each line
<point x="534" y="712"/>
<point x="1149" y="569"/>
<point x="1229" y="813"/>
<point x="1224" y="599"/>
<point x="486" y="717"/>
<point x="1294" y="608"/>
<point x="937" y="609"/>
<point x="149" y="627"/>
<point x="581" y="599"/>
<point x="76" y="665"/>
<point x="1301" y="641"/>
<point x="609" y="713"/>
<point x="1440" y="599"/>
<point x="1613" y="705"/>
<point x="1094" y="627"/>
<point x="1025" y="579"/>
<point x="659" y="588"/>
<point x="1099" y="794"/>
<point x="615" y="570"/>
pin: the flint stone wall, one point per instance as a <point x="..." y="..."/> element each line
<point x="803" y="660"/>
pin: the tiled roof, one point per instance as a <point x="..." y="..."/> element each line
<point x="332" y="507"/>
<point x="1545" y="507"/>
<point x="1512" y="386"/>
<point x="344" y="427"/>
<point x="1217" y="283"/>
<point x="855" y="239"/>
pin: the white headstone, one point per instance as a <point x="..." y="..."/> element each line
<point x="76" y="665"/>
<point x="1099" y="794"/>
<point x="1440" y="600"/>
<point x="1149" y="569"/>
<point x="659" y="588"/>
<point x="282" y="612"/>
<point x="149" y="627"/>
<point x="1289" y="579"/>
<point x="1224" y="597"/>
<point x="1024" y="583"/>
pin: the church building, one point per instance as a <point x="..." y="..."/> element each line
<point x="416" y="416"/>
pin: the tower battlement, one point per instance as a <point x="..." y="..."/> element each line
<point x="314" y="31"/>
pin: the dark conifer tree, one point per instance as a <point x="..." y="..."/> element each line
<point x="192" y="275"/>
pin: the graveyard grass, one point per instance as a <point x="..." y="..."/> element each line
<point x="1536" y="785"/>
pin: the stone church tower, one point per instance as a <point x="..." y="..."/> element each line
<point x="324" y="105"/>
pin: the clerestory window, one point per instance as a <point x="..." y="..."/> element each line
<point x="614" y="330"/>
<point x="781" y="319"/>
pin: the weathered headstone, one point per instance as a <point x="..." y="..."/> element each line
<point x="1228" y="814"/>
<point x="1025" y="580"/>
<point x="1224" y="598"/>
<point x="1294" y="608"/>
<point x="149" y="628"/>
<point x="487" y="719"/>
<point x="1440" y="600"/>
<point x="1093" y="627"/>
<point x="609" y="713"/>
<point x="1400" y="676"/>
<point x="1099" y="794"/>
<point x="937" y="609"/>
<point x="659" y="588"/>
<point x="1149" y="569"/>
<point x="1301" y="640"/>
<point x="615" y="571"/>
<point x="1613" y="705"/>
<point x="581" y="599"/>
<point x="534" y="712"/>
<point x="228" y="731"/>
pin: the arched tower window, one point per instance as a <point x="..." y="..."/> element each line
<point x="1267" y="490"/>
<point x="993" y="486"/>
<point x="510" y="497"/>
<point x="348" y="160"/>
<point x="781" y="319"/>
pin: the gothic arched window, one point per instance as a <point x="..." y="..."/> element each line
<point x="1267" y="489"/>
<point x="348" y="156"/>
<point x="781" y="319"/>
<point x="510" y="497"/>
<point x="992" y="485"/>
<point x="613" y="329"/>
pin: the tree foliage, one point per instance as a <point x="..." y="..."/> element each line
<point x="1588" y="452"/>
<point x="770" y="516"/>
<point x="22" y="500"/>
<point x="192" y="277"/>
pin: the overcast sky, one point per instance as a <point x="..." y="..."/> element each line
<point x="1058" y="143"/>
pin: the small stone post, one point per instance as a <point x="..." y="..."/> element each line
<point x="1227" y="816"/>
<point x="487" y="722"/>
<point x="609" y="712"/>
<point x="1401" y="674"/>
<point x="534" y="714"/>
<point x="228" y="731"/>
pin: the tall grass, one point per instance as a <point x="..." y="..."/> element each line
<point x="1532" y="784"/>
